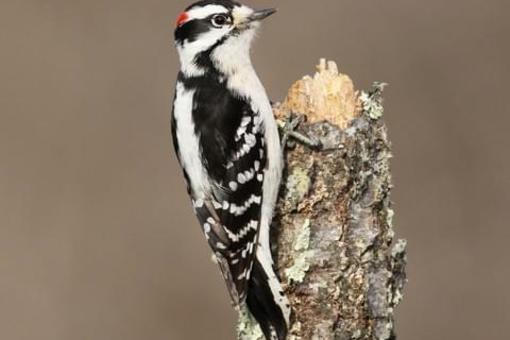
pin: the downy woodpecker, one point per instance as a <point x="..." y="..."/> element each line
<point x="226" y="139"/>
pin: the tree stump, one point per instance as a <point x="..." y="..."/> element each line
<point x="333" y="237"/>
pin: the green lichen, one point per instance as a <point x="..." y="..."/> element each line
<point x="301" y="265"/>
<point x="399" y="248"/>
<point x="389" y="222"/>
<point x="298" y="184"/>
<point x="302" y="241"/>
<point x="296" y="273"/>
<point x="247" y="326"/>
<point x="372" y="102"/>
<point x="398" y="262"/>
<point x="397" y="298"/>
<point x="389" y="217"/>
<point x="357" y="334"/>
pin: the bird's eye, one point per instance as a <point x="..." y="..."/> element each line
<point x="219" y="20"/>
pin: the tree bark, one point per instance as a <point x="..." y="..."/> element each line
<point x="333" y="236"/>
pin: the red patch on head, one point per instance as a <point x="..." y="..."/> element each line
<point x="182" y="18"/>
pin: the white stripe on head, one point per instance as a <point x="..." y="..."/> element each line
<point x="196" y="13"/>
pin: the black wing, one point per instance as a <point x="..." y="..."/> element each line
<point x="230" y="215"/>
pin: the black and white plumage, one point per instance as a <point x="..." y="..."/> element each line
<point x="227" y="143"/>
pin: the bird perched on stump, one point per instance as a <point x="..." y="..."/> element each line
<point x="226" y="139"/>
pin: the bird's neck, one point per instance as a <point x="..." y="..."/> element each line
<point x="227" y="57"/>
<point x="233" y="55"/>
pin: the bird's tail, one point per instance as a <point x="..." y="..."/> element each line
<point x="265" y="299"/>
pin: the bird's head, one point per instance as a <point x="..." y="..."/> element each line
<point x="216" y="33"/>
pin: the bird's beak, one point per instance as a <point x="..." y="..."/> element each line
<point x="261" y="14"/>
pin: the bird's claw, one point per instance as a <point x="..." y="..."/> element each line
<point x="289" y="131"/>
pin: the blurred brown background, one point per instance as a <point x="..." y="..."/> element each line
<point x="97" y="237"/>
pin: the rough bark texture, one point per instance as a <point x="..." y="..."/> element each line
<point x="333" y="237"/>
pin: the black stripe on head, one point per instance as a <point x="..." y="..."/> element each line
<point x="225" y="3"/>
<point x="191" y="30"/>
<point x="195" y="27"/>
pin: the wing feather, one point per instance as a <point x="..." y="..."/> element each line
<point x="230" y="213"/>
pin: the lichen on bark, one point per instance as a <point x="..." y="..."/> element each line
<point x="333" y="236"/>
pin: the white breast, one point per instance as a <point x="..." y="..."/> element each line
<point x="189" y="149"/>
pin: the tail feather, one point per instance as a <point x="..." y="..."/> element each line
<point x="267" y="309"/>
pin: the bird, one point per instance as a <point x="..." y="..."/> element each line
<point x="227" y="143"/>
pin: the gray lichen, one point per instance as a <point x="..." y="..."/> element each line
<point x="372" y="102"/>
<point x="297" y="185"/>
<point x="296" y="273"/>
<point x="302" y="241"/>
<point x="247" y="326"/>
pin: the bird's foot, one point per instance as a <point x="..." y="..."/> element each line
<point x="290" y="135"/>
